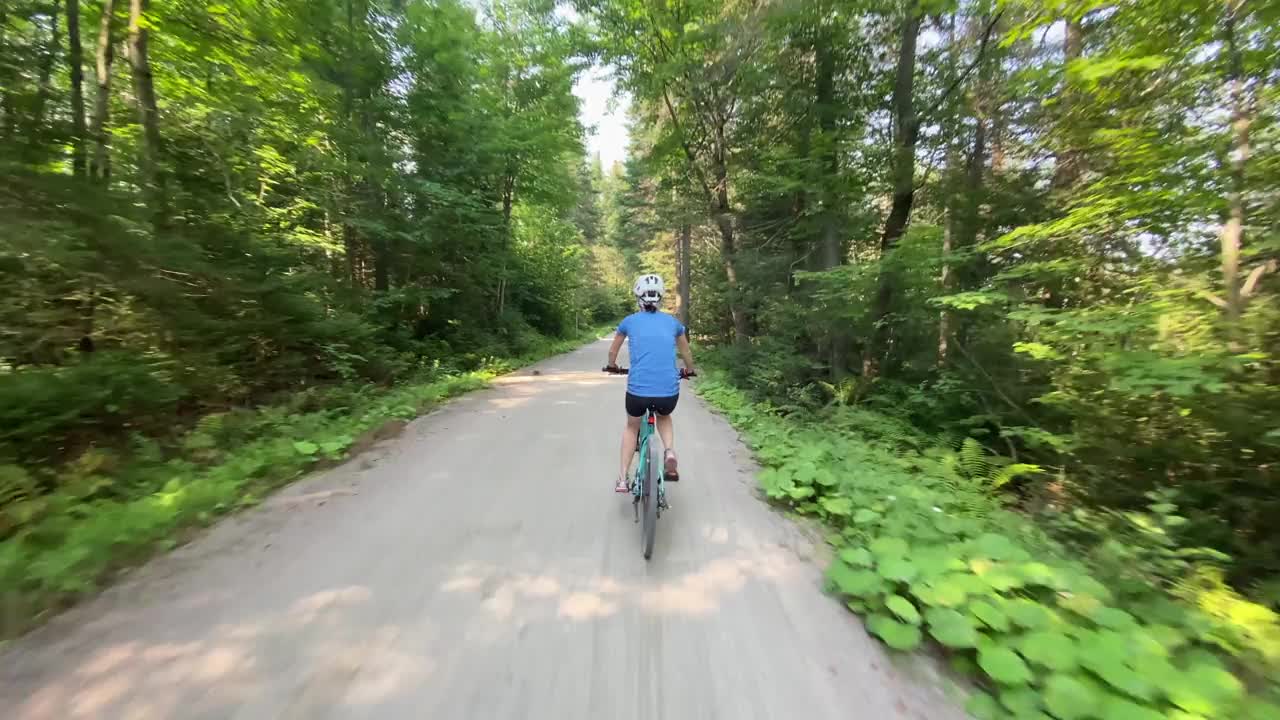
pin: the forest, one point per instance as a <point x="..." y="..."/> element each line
<point x="234" y="236"/>
<point x="1018" y="256"/>
<point x="1024" y="249"/>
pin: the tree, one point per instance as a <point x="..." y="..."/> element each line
<point x="148" y="112"/>
<point x="100" y="163"/>
<point x="76" y="61"/>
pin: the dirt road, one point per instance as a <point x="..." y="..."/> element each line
<point x="480" y="566"/>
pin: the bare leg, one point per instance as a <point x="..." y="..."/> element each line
<point x="628" y="450"/>
<point x="667" y="431"/>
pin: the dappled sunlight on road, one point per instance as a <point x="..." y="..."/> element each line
<point x="698" y="592"/>
<point x="326" y="638"/>
<point x="347" y="664"/>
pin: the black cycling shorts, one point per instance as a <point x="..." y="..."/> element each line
<point x="636" y="405"/>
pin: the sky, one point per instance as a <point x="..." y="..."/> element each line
<point x="603" y="115"/>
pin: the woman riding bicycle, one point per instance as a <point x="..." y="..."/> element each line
<point x="653" y="382"/>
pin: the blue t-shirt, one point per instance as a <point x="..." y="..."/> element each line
<point x="651" y="342"/>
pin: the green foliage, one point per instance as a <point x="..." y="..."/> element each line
<point x="931" y="552"/>
<point x="333" y="201"/>
<point x="1068" y="302"/>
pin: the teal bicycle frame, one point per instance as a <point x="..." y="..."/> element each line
<point x="648" y="429"/>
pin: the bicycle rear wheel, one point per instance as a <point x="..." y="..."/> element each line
<point x="649" y="498"/>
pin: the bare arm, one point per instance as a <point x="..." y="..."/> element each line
<point x="682" y="344"/>
<point x="618" y="339"/>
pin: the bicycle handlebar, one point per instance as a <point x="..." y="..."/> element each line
<point x="684" y="374"/>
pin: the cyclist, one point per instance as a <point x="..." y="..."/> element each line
<point x="653" y="337"/>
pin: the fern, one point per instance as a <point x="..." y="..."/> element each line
<point x="975" y="461"/>
<point x="15" y="485"/>
<point x="1008" y="473"/>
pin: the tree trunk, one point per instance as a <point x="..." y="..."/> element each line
<point x="975" y="166"/>
<point x="148" y="114"/>
<point x="906" y="129"/>
<point x="952" y="194"/>
<point x="6" y="85"/>
<point x="831" y="246"/>
<point x="800" y="247"/>
<point x="508" y="198"/>
<point x="684" y="261"/>
<point x="1069" y="168"/>
<point x="1232" y="235"/>
<point x="944" y="318"/>
<point x="381" y="265"/>
<point x="43" y="88"/>
<point x="75" y="58"/>
<point x="350" y="248"/>
<point x="826" y="107"/>
<point x="100" y="167"/>
<point x="728" y="242"/>
<point x="728" y="253"/>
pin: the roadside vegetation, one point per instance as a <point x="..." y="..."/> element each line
<point x="1082" y="614"/>
<point x="238" y="237"/>
<point x="993" y="290"/>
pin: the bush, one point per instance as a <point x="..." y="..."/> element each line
<point x="43" y="411"/>
<point x="1118" y="625"/>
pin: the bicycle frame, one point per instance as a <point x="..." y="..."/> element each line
<point x="648" y="429"/>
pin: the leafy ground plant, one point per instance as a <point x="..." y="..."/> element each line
<point x="927" y="553"/>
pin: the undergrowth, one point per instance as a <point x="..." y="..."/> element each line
<point x="113" y="510"/>
<point x="1123" y="626"/>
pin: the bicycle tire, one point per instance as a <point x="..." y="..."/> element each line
<point x="649" y="498"/>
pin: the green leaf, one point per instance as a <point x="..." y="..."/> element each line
<point x="1028" y="614"/>
<point x="903" y="608"/>
<point x="804" y="473"/>
<point x="1050" y="649"/>
<point x="1205" y="690"/>
<point x="947" y="592"/>
<point x="935" y="562"/>
<point x="859" y="583"/>
<point x="1001" y="579"/>
<point x="1003" y="665"/>
<point x="983" y="707"/>
<point x="996" y="547"/>
<point x="897" y="635"/>
<point x="1116" y="708"/>
<point x="1070" y="697"/>
<point x="1080" y="603"/>
<point x="800" y="492"/>
<point x="840" y="506"/>
<point x="1112" y="618"/>
<point x="898" y="569"/>
<point x="1037" y="574"/>
<point x="951" y="628"/>
<point x="857" y="557"/>
<point x="305" y="447"/>
<point x="1121" y="677"/>
<point x="992" y="616"/>
<point x="889" y="547"/>
<point x="865" y="515"/>
<point x="1036" y="350"/>
<point x="1023" y="701"/>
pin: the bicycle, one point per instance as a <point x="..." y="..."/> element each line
<point x="648" y="490"/>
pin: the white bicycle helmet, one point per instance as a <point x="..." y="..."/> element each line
<point x="648" y="291"/>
